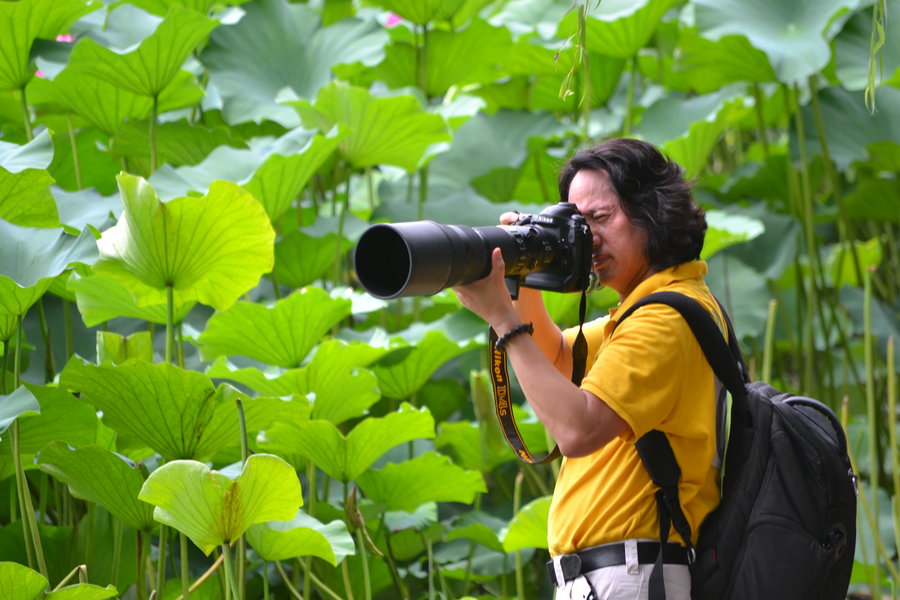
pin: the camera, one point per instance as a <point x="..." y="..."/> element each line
<point x="550" y="250"/>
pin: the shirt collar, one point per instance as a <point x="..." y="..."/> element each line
<point x="689" y="270"/>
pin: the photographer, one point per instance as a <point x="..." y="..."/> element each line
<point x="649" y="374"/>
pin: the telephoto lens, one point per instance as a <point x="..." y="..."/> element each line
<point x="550" y="250"/>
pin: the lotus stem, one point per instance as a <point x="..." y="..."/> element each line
<point x="116" y="527"/>
<point x="760" y="118"/>
<point x="170" y="322"/>
<point x="229" y="573"/>
<point x="871" y="418"/>
<point x="29" y="523"/>
<point x="185" y="571"/>
<point x="152" y="134"/>
<point x="161" y="561"/>
<point x="892" y="437"/>
<point x="323" y="589"/>
<point x="348" y="585"/>
<point x="769" y="341"/>
<point x="49" y="367"/>
<point x="80" y="570"/>
<point x="586" y="92"/>
<point x="200" y="581"/>
<point x="242" y="542"/>
<point x="629" y="98"/>
<point x="517" y="501"/>
<point x="139" y="565"/>
<point x="73" y="144"/>
<point x="29" y="133"/>
<point x="364" y="563"/>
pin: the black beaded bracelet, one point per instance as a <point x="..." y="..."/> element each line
<point x="501" y="342"/>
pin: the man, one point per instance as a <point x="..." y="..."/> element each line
<point x="650" y="373"/>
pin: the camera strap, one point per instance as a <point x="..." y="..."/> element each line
<point x="503" y="397"/>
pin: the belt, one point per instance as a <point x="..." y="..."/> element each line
<point x="611" y="555"/>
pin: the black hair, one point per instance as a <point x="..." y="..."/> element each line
<point x="653" y="192"/>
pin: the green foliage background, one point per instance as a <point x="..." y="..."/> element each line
<point x="196" y="392"/>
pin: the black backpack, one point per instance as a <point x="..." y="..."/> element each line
<point x="786" y="525"/>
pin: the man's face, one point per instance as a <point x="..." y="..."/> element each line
<point x="619" y="255"/>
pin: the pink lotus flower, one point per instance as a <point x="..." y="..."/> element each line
<point x="66" y="37"/>
<point x="393" y="20"/>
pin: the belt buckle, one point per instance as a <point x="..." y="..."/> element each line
<point x="566" y="567"/>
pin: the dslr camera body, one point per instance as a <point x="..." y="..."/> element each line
<point x="550" y="250"/>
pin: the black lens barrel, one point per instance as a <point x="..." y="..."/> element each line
<point x="421" y="258"/>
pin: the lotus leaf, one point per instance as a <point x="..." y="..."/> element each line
<point x="156" y="246"/>
<point x="211" y="509"/>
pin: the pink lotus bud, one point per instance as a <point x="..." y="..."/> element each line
<point x="66" y="37"/>
<point x="39" y="73"/>
<point x="393" y="20"/>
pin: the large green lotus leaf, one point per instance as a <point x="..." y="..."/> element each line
<point x="22" y="22"/>
<point x="333" y="379"/>
<point x="106" y="106"/>
<point x="850" y="129"/>
<point x="97" y="475"/>
<point x="18" y="582"/>
<point x="726" y="229"/>
<point x="346" y="457"/>
<point x="426" y="478"/>
<point x="703" y="66"/>
<point x="688" y="129"/>
<point x="31" y="257"/>
<point x="391" y="130"/>
<point x="792" y="34"/>
<point x="528" y="529"/>
<point x="177" y="142"/>
<point x="103" y="297"/>
<point x="61" y="417"/>
<point x="301" y="259"/>
<point x="211" y="509"/>
<point x="148" y="69"/>
<point x="402" y="372"/>
<point x="455" y="58"/>
<point x="298" y="52"/>
<point x="273" y="170"/>
<point x="284" y="174"/>
<point x="301" y="536"/>
<point x="280" y="335"/>
<point x="618" y="28"/>
<point x="19" y="403"/>
<point x="210" y="249"/>
<point x="165" y="407"/>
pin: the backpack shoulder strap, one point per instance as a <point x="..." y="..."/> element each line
<point x="724" y="357"/>
<point x="654" y="448"/>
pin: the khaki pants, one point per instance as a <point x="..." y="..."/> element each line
<point x="630" y="581"/>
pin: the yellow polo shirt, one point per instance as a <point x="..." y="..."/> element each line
<point x="654" y="375"/>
